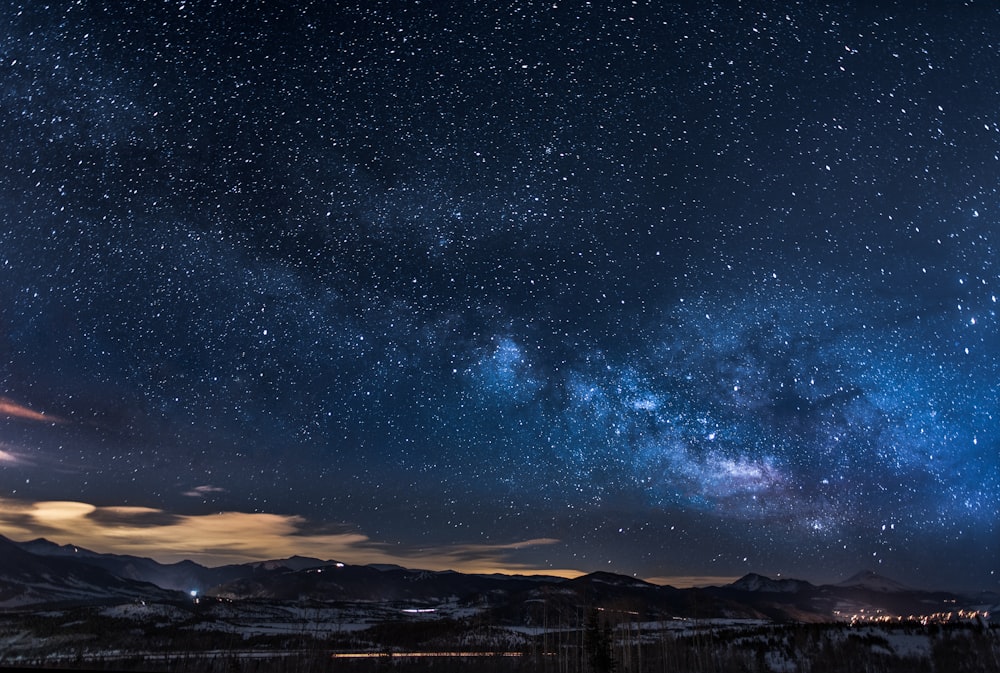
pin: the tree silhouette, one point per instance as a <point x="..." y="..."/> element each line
<point x="597" y="643"/>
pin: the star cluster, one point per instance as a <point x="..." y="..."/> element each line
<point x="679" y="290"/>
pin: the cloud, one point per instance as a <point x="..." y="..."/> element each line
<point x="54" y="512"/>
<point x="12" y="409"/>
<point x="8" y="458"/>
<point x="202" y="491"/>
<point x="239" y="537"/>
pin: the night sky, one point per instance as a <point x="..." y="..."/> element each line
<point x="682" y="290"/>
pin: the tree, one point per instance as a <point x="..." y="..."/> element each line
<point x="597" y="643"/>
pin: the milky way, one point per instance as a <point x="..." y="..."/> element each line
<point x="669" y="291"/>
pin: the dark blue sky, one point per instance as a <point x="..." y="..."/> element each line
<point x="675" y="290"/>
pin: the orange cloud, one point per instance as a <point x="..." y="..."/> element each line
<point x="12" y="409"/>
<point x="240" y="537"/>
<point x="54" y="512"/>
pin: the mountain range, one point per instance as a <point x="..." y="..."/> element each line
<point x="41" y="573"/>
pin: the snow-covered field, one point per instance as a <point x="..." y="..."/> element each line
<point x="177" y="636"/>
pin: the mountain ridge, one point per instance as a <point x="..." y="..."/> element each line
<point x="869" y="579"/>
<point x="27" y="579"/>
<point x="762" y="583"/>
<point x="53" y="573"/>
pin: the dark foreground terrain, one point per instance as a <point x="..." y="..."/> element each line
<point x="220" y="636"/>
<point x="66" y="608"/>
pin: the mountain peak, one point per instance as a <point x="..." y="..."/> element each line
<point x="47" y="547"/>
<point x="869" y="579"/>
<point x="755" y="582"/>
<point x="612" y="579"/>
<point x="290" y="563"/>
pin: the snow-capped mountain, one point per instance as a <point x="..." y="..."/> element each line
<point x="755" y="582"/>
<point x="866" y="579"/>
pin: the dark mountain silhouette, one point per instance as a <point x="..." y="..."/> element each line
<point x="41" y="572"/>
<point x="867" y="579"/>
<point x="755" y="582"/>
<point x="182" y="576"/>
<point x="29" y="579"/>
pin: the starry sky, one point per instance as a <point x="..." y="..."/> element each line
<point x="677" y="290"/>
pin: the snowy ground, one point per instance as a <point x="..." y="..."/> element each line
<point x="160" y="635"/>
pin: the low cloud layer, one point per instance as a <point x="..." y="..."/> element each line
<point x="238" y="537"/>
